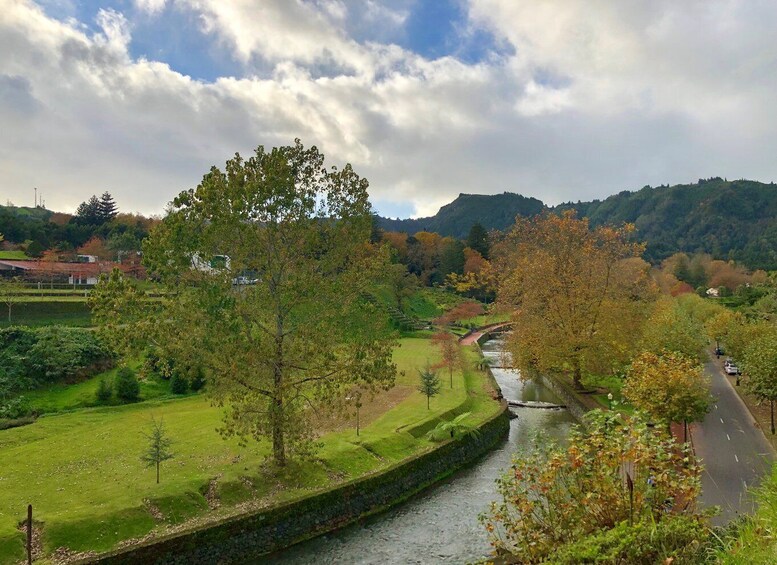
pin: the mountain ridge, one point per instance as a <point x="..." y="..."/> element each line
<point x="728" y="219"/>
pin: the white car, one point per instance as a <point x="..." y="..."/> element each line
<point x="731" y="369"/>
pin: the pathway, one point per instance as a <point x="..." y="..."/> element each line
<point x="734" y="451"/>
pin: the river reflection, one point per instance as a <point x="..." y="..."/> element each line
<point x="440" y="525"/>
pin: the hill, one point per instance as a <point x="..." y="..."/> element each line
<point x="728" y="219"/>
<point x="496" y="211"/>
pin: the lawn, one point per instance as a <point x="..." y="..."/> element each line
<point x="45" y="311"/>
<point x="61" y="397"/>
<point x="82" y="473"/>
<point x="14" y="255"/>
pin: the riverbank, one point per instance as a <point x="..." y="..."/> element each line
<point x="94" y="496"/>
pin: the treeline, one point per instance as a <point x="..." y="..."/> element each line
<point x="726" y="219"/>
<point x="429" y="259"/>
<point x="97" y="228"/>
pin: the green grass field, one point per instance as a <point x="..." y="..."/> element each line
<point x="82" y="473"/>
<point x="45" y="311"/>
<point x="14" y="255"/>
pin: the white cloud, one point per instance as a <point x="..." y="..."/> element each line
<point x="150" y="6"/>
<point x="597" y="97"/>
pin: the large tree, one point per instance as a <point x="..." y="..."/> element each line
<point x="300" y="335"/>
<point x="578" y="293"/>
<point x="669" y="387"/>
<point x="760" y="364"/>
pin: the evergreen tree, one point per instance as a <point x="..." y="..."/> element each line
<point x="104" y="391"/>
<point x="107" y="207"/>
<point x="88" y="213"/>
<point x="478" y="239"/>
<point x="178" y="384"/>
<point x="127" y="385"/>
<point x="158" y="449"/>
<point x="430" y="384"/>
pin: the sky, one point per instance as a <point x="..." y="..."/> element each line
<point x="557" y="99"/>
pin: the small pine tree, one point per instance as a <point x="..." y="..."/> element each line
<point x="127" y="385"/>
<point x="158" y="448"/>
<point x="430" y="384"/>
<point x="104" y="391"/>
<point x="178" y="384"/>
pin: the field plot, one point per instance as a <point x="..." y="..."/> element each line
<point x="82" y="471"/>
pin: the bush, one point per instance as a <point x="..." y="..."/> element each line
<point x="178" y="384"/>
<point x="127" y="385"/>
<point x="198" y="380"/>
<point x="104" y="391"/>
<point x="33" y="357"/>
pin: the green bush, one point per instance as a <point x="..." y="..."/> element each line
<point x="33" y="357"/>
<point x="198" y="379"/>
<point x="127" y="385"/>
<point x="683" y="538"/>
<point x="104" y="391"/>
<point x="178" y="384"/>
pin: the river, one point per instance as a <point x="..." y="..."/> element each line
<point x="441" y="524"/>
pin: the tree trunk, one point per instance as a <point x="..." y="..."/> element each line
<point x="685" y="431"/>
<point x="276" y="419"/>
<point x="428" y="407"/>
<point x="450" y="370"/>
<point x="771" y="409"/>
<point x="276" y="409"/>
<point x="157" y="472"/>
<point x="577" y="375"/>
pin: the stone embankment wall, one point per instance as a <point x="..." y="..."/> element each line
<point x="568" y="396"/>
<point x="247" y="537"/>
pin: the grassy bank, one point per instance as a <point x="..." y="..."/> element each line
<point x="46" y="311"/>
<point x="82" y="473"/>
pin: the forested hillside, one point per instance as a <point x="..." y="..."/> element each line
<point x="496" y="211"/>
<point x="728" y="219"/>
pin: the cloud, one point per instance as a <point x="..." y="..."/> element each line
<point x="589" y="100"/>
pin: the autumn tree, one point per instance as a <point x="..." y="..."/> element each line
<point x="450" y="352"/>
<point x="614" y="473"/>
<point x="302" y="335"/>
<point x="575" y="295"/>
<point x="721" y="324"/>
<point x="672" y="328"/>
<point x="668" y="387"/>
<point x="96" y="247"/>
<point x="759" y="361"/>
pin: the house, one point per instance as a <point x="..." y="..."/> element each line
<point x="713" y="292"/>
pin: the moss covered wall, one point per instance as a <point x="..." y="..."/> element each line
<point x="249" y="536"/>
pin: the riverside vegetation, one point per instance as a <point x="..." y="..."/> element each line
<point x="331" y="326"/>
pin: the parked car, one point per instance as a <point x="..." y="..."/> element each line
<point x="731" y="369"/>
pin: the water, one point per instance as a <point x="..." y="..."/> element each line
<point x="440" y="525"/>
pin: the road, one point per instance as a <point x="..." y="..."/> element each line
<point x="733" y="450"/>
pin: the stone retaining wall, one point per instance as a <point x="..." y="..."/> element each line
<point x="247" y="537"/>
<point x="568" y="396"/>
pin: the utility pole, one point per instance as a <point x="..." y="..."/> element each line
<point x="29" y="534"/>
<point x="36" y="196"/>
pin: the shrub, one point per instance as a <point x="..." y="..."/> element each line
<point x="104" y="391"/>
<point x="198" y="379"/>
<point x="178" y="384"/>
<point x="127" y="385"/>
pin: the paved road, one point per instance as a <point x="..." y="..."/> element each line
<point x="733" y="450"/>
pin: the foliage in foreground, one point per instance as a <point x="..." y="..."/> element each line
<point x="266" y="265"/>
<point x="554" y="499"/>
